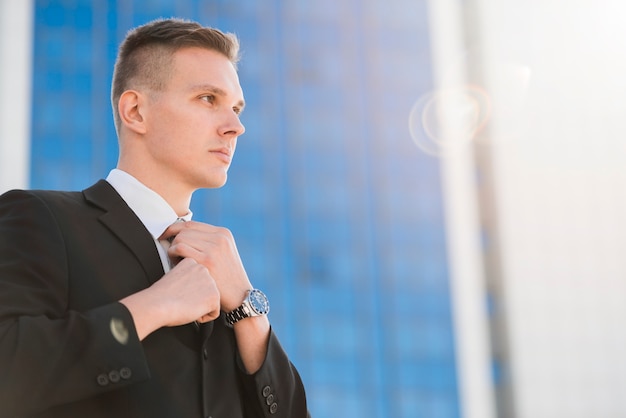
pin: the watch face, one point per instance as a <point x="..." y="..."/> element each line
<point x="259" y="302"/>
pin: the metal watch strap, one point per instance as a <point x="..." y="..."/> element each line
<point x="236" y="315"/>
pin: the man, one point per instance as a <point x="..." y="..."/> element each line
<point x="109" y="307"/>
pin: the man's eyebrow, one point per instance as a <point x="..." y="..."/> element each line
<point x="216" y="91"/>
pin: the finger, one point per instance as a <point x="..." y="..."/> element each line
<point x="186" y="262"/>
<point x="177" y="227"/>
<point x="187" y="250"/>
<point x="172" y="230"/>
<point x="211" y="316"/>
<point x="206" y="240"/>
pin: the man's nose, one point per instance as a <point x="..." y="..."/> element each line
<point x="232" y="125"/>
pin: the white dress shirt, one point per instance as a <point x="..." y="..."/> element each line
<point x="151" y="209"/>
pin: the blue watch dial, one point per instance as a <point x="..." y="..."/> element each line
<point x="258" y="302"/>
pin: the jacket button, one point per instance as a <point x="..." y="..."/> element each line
<point x="273" y="408"/>
<point x="125" y="373"/>
<point x="266" y="391"/>
<point x="102" y="379"/>
<point x="269" y="399"/>
<point x="114" y="376"/>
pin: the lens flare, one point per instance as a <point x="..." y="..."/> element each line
<point x="448" y="119"/>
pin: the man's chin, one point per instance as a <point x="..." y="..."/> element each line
<point x="216" y="183"/>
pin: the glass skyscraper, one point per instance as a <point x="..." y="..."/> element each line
<point x="337" y="214"/>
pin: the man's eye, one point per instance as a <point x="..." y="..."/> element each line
<point x="209" y="98"/>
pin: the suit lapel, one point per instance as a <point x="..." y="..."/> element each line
<point x="123" y="222"/>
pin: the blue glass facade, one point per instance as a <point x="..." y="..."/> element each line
<point x="337" y="215"/>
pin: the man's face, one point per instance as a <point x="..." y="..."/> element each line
<point x="192" y="126"/>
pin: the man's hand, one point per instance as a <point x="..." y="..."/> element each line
<point x="185" y="294"/>
<point x="213" y="247"/>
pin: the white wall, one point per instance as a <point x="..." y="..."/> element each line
<point x="556" y="74"/>
<point x="16" y="26"/>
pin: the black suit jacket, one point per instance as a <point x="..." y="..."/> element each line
<point x="68" y="348"/>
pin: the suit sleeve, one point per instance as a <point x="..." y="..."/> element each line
<point x="276" y="389"/>
<point x="50" y="354"/>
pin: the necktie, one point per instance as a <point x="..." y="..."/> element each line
<point x="166" y="243"/>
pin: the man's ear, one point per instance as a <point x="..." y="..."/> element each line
<point x="130" y="107"/>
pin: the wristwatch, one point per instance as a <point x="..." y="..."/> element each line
<point x="255" y="304"/>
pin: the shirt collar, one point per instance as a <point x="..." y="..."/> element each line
<point x="151" y="209"/>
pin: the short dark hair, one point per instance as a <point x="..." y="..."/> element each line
<point x="145" y="56"/>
